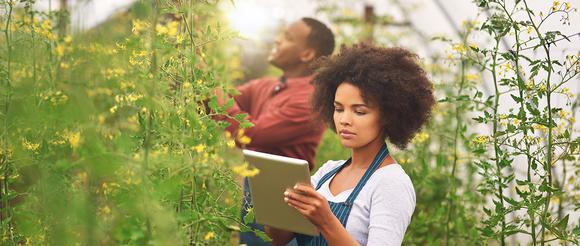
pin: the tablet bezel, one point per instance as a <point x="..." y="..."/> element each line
<point x="277" y="173"/>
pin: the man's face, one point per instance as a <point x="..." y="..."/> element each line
<point x="290" y="47"/>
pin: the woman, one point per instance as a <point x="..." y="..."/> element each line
<point x="367" y="95"/>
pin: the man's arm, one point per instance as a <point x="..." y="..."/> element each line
<point x="277" y="126"/>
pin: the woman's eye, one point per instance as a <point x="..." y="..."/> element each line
<point x="359" y="113"/>
<point x="338" y="109"/>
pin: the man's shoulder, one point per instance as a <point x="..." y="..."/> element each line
<point x="260" y="81"/>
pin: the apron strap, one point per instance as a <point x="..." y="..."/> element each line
<point x="329" y="175"/>
<point x="379" y="158"/>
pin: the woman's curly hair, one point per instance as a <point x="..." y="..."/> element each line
<point x="388" y="77"/>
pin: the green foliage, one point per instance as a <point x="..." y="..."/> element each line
<point x="464" y="164"/>
<point x="106" y="138"/>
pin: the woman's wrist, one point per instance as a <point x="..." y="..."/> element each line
<point x="330" y="225"/>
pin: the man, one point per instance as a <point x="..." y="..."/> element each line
<point x="279" y="108"/>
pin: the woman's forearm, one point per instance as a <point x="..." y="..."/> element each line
<point x="336" y="235"/>
<point x="279" y="237"/>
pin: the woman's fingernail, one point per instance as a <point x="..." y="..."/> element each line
<point x="285" y="193"/>
<point x="285" y="199"/>
<point x="295" y="186"/>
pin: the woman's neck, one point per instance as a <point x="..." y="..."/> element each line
<point x="363" y="156"/>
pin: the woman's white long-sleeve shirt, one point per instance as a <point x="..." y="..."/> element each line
<point x="383" y="209"/>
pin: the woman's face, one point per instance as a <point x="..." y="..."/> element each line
<point x="357" y="123"/>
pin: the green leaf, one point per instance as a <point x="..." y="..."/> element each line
<point x="249" y="217"/>
<point x="213" y="104"/>
<point x="516" y="98"/>
<point x="563" y="223"/>
<point x="262" y="235"/>
<point x="229" y="103"/>
<point x="246" y="124"/>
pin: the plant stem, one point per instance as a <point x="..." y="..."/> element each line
<point x="521" y="83"/>
<point x="495" y="142"/>
<point x="458" y="106"/>
<point x="5" y="210"/>
<point x="548" y="163"/>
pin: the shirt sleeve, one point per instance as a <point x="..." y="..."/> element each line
<point x="277" y="126"/>
<point x="392" y="205"/>
<point x="244" y="100"/>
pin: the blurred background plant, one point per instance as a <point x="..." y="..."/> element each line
<point x="105" y="134"/>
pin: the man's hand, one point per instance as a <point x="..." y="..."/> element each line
<point x="219" y="93"/>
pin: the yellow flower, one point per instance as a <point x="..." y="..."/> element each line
<point x="199" y="148"/>
<point x="208" y="236"/>
<point x="245" y="140"/>
<point x="479" y="140"/>
<point x="231" y="144"/>
<point x="471" y="76"/>
<point x="469" y="24"/>
<point x="131" y="97"/>
<point x="539" y="127"/>
<point x="530" y="29"/>
<point x="459" y="48"/>
<point x="127" y="85"/>
<point x="242" y="138"/>
<point x="542" y="87"/>
<point x="567" y="6"/>
<point x="530" y="85"/>
<point x="139" y="26"/>
<point x="420" y="137"/>
<point x="186" y="85"/>
<point x="180" y="38"/>
<point x="46" y="25"/>
<point x="245" y="170"/>
<point x="30" y="146"/>
<point x="555" y="5"/>
<point x="507" y="66"/>
<point x="73" y="138"/>
<point x="555" y="200"/>
<point x="105" y="210"/>
<point x="67" y="39"/>
<point x="59" y="50"/>
<point x="564" y="114"/>
<point x="172" y="28"/>
<point x="160" y="29"/>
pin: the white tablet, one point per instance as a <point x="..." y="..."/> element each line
<point x="278" y="173"/>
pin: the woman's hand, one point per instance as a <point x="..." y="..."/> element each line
<point x="310" y="204"/>
<point x="315" y="207"/>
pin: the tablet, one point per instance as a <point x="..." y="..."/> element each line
<point x="278" y="173"/>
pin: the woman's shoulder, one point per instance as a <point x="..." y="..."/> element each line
<point x="324" y="169"/>
<point x="392" y="175"/>
<point x="329" y="165"/>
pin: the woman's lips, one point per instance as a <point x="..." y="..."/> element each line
<point x="346" y="134"/>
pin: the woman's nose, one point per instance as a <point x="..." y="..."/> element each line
<point x="345" y="118"/>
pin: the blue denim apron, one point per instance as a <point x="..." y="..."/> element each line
<point x="342" y="209"/>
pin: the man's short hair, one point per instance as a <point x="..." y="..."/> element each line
<point x="321" y="38"/>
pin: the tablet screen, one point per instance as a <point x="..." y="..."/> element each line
<point x="277" y="173"/>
